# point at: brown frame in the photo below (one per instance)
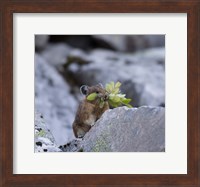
(8, 7)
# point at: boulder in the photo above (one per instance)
(44, 141)
(41, 41)
(125, 130)
(54, 101)
(56, 54)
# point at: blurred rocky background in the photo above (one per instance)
(65, 62)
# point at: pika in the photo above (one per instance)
(89, 111)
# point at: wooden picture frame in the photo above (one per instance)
(9, 7)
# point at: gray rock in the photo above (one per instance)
(131, 43)
(41, 41)
(72, 146)
(54, 101)
(152, 55)
(142, 74)
(56, 54)
(126, 130)
(44, 141)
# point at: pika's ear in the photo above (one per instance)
(101, 85)
(84, 89)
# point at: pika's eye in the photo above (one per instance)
(97, 92)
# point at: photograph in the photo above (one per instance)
(99, 93)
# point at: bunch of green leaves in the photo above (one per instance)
(115, 98)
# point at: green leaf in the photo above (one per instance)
(117, 85)
(111, 103)
(116, 99)
(115, 91)
(112, 84)
(91, 97)
(109, 88)
(101, 99)
(126, 101)
(101, 104)
(111, 96)
(129, 106)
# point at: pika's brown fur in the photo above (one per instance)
(89, 111)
